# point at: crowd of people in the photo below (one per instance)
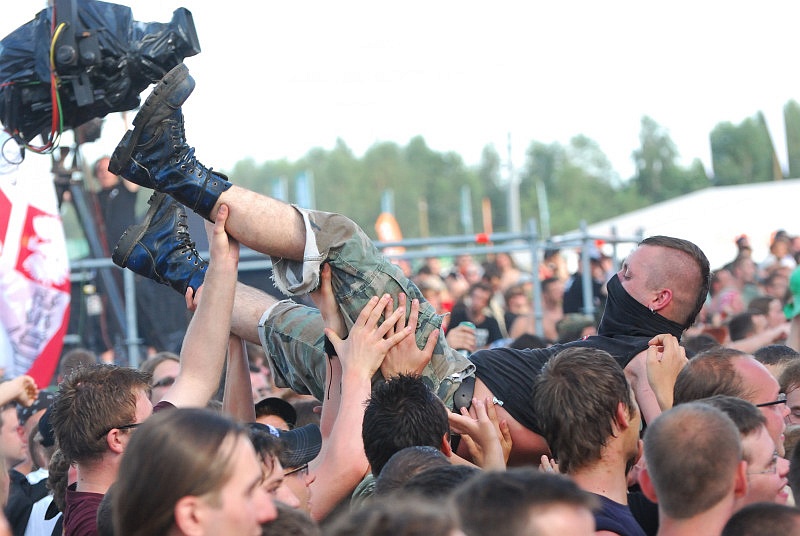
(410, 403)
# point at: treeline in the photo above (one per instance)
(577, 178)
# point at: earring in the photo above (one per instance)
(651, 309)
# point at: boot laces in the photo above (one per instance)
(187, 245)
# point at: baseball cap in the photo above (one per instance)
(301, 445)
(792, 309)
(43, 401)
(46, 430)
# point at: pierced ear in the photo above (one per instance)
(663, 298)
(188, 515)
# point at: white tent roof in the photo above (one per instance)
(712, 218)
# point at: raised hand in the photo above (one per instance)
(665, 359)
(406, 357)
(487, 438)
(369, 339)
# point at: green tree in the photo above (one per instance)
(791, 118)
(741, 153)
(578, 180)
(658, 175)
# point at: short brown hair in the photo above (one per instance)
(91, 401)
(575, 399)
(693, 452)
(710, 373)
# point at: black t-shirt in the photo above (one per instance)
(118, 209)
(489, 324)
(510, 373)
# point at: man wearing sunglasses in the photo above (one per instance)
(725, 371)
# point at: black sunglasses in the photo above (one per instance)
(123, 427)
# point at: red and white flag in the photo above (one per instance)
(34, 273)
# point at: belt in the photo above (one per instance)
(462, 398)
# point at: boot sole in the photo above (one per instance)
(172, 80)
(134, 233)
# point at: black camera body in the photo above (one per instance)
(81, 60)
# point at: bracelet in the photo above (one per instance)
(329, 349)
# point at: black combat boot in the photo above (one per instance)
(160, 248)
(155, 154)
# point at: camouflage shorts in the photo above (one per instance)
(292, 334)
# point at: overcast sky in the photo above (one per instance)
(276, 79)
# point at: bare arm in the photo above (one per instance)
(665, 359)
(206, 339)
(636, 372)
(325, 300)
(342, 463)
(21, 389)
(769, 336)
(237, 400)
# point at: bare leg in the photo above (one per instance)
(248, 306)
(264, 224)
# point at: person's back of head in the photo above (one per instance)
(576, 400)
(572, 326)
(400, 413)
(406, 463)
(290, 522)
(764, 518)
(393, 516)
(746, 416)
(74, 359)
(742, 326)
(698, 343)
(92, 401)
(710, 373)
(760, 305)
(693, 454)
(776, 354)
(777, 357)
(685, 271)
(522, 501)
(439, 482)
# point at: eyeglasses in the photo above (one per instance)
(781, 400)
(771, 469)
(302, 470)
(164, 382)
(123, 427)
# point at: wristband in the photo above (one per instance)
(329, 349)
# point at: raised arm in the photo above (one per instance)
(665, 359)
(206, 339)
(237, 398)
(342, 463)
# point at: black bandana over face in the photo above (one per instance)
(624, 315)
